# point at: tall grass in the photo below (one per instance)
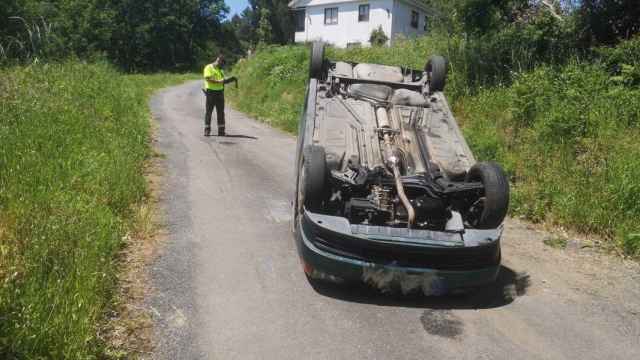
(568, 139)
(564, 128)
(272, 85)
(35, 43)
(73, 140)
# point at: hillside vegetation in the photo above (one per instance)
(74, 139)
(565, 129)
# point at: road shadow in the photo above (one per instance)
(237, 136)
(508, 286)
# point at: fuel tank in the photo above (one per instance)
(347, 128)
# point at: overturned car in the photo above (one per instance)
(388, 191)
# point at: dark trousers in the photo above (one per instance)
(215, 99)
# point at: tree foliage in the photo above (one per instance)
(378, 37)
(608, 21)
(265, 30)
(595, 22)
(137, 35)
(251, 22)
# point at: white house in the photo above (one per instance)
(350, 22)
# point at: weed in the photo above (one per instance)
(556, 242)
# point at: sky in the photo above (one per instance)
(236, 6)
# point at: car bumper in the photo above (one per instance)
(391, 259)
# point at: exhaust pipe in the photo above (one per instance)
(392, 161)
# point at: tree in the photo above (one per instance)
(608, 21)
(280, 19)
(378, 37)
(161, 34)
(243, 29)
(9, 8)
(137, 35)
(265, 31)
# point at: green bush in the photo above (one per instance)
(74, 138)
(623, 61)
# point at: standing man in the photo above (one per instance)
(214, 90)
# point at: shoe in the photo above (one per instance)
(221, 132)
(207, 131)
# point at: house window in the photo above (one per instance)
(425, 27)
(331, 16)
(414, 19)
(363, 13)
(300, 17)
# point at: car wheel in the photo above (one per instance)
(314, 174)
(489, 210)
(316, 61)
(436, 69)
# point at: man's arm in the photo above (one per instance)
(210, 76)
(212, 80)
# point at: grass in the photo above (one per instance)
(556, 242)
(566, 134)
(74, 139)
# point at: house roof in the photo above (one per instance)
(303, 3)
(295, 4)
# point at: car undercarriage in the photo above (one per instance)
(386, 151)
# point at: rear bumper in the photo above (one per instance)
(408, 260)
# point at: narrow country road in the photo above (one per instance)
(228, 283)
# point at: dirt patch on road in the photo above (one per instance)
(442, 323)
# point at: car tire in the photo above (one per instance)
(314, 172)
(491, 209)
(316, 60)
(436, 69)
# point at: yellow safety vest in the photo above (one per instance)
(217, 74)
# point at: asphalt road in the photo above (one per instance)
(229, 285)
